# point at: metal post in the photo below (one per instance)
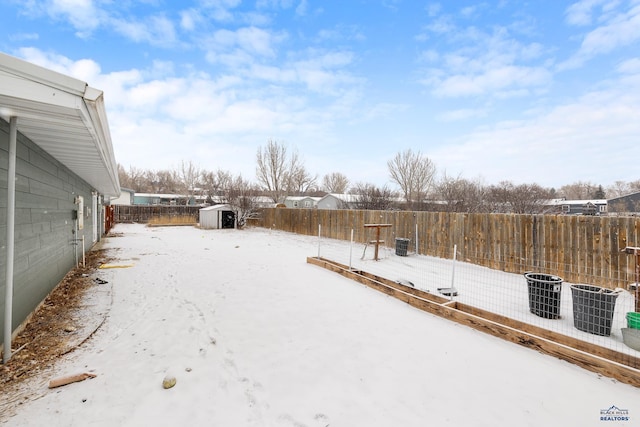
(637, 293)
(635, 251)
(319, 236)
(350, 249)
(453, 271)
(11, 224)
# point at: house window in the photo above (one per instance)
(566, 208)
(295, 204)
(602, 208)
(307, 204)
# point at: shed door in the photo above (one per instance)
(228, 219)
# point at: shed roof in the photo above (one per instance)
(216, 208)
(62, 115)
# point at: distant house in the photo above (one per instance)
(217, 217)
(577, 207)
(126, 197)
(338, 201)
(263, 202)
(168, 199)
(59, 172)
(303, 202)
(629, 203)
(151, 199)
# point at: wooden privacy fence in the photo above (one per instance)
(580, 249)
(144, 214)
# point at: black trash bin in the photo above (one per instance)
(401, 246)
(544, 294)
(593, 308)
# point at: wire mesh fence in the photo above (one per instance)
(513, 286)
(587, 312)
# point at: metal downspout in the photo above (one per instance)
(11, 225)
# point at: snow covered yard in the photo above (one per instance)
(257, 337)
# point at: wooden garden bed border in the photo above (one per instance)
(602, 360)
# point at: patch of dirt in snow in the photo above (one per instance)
(58, 326)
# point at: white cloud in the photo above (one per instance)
(441, 25)
(589, 139)
(82, 14)
(581, 12)
(340, 33)
(616, 31)
(234, 47)
(621, 31)
(19, 37)
(159, 116)
(430, 55)
(383, 110)
(189, 19)
(492, 81)
(85, 69)
(257, 41)
(155, 30)
(303, 8)
(493, 64)
(469, 11)
(433, 9)
(461, 114)
(87, 17)
(220, 10)
(630, 66)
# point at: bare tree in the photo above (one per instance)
(499, 197)
(152, 183)
(335, 182)
(530, 199)
(132, 179)
(414, 173)
(168, 181)
(300, 180)
(242, 197)
(578, 191)
(215, 184)
(368, 196)
(524, 198)
(272, 169)
(634, 186)
(618, 188)
(162, 181)
(189, 179)
(461, 195)
(280, 171)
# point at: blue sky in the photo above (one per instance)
(543, 92)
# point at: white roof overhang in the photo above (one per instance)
(63, 116)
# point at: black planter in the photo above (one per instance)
(593, 308)
(544, 294)
(401, 246)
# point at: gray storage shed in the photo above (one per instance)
(217, 216)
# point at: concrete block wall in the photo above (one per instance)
(45, 230)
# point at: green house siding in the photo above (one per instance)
(45, 238)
